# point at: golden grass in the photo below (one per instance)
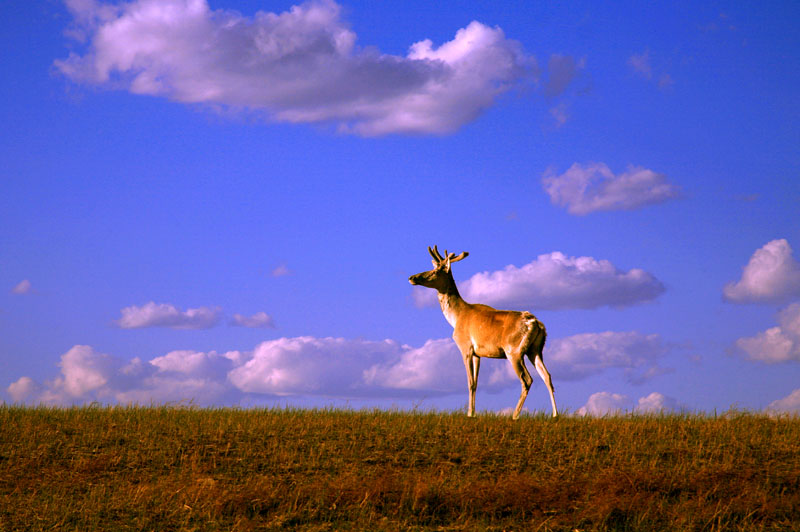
(132, 468)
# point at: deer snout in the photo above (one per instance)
(413, 279)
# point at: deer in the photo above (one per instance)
(481, 331)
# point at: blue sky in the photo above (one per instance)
(221, 202)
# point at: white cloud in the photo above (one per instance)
(260, 320)
(787, 405)
(280, 271)
(423, 297)
(163, 389)
(555, 281)
(436, 366)
(776, 344)
(22, 288)
(84, 370)
(561, 69)
(641, 64)
(308, 366)
(301, 65)
(196, 363)
(560, 114)
(85, 374)
(165, 315)
(23, 389)
(179, 376)
(665, 81)
(657, 403)
(316, 366)
(607, 403)
(582, 355)
(771, 275)
(593, 187)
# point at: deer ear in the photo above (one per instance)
(435, 264)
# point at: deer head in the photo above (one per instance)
(439, 277)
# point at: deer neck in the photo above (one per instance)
(451, 302)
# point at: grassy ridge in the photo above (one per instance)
(203, 469)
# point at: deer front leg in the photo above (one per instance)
(476, 367)
(472, 364)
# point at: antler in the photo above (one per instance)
(455, 258)
(435, 254)
(451, 257)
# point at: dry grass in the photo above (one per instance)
(110, 468)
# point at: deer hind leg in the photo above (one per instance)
(525, 378)
(545, 375)
(534, 352)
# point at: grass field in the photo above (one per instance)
(112, 468)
